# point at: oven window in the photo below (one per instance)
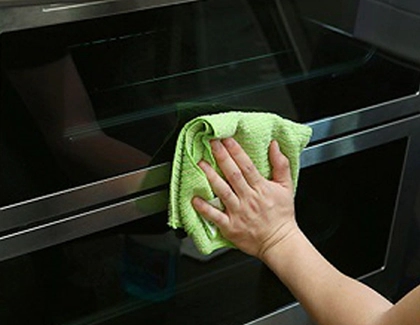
(352, 230)
(85, 101)
(143, 273)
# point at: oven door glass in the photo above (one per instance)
(142, 273)
(82, 102)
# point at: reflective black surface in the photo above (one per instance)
(346, 206)
(142, 274)
(84, 101)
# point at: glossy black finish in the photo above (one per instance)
(137, 68)
(84, 238)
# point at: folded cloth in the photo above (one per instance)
(253, 131)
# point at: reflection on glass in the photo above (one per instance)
(88, 100)
(84, 101)
(141, 273)
(358, 224)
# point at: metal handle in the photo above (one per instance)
(62, 230)
(43, 208)
(75, 4)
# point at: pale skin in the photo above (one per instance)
(259, 219)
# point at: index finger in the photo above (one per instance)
(244, 162)
(229, 168)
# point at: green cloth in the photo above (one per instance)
(253, 131)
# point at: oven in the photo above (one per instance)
(92, 98)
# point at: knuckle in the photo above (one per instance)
(218, 220)
(226, 194)
(256, 180)
(236, 176)
(252, 174)
(284, 162)
(250, 168)
(265, 190)
(234, 233)
(254, 204)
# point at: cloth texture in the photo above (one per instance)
(253, 131)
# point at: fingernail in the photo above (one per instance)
(229, 142)
(216, 145)
(203, 164)
(196, 201)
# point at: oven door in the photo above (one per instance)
(91, 106)
(138, 273)
(90, 110)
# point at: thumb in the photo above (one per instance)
(280, 164)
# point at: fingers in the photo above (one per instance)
(211, 213)
(243, 162)
(219, 186)
(241, 174)
(280, 166)
(230, 168)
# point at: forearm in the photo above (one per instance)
(327, 295)
(259, 219)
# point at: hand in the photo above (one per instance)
(259, 213)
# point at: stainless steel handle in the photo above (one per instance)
(60, 231)
(75, 4)
(359, 141)
(46, 207)
(365, 117)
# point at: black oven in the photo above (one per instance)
(92, 97)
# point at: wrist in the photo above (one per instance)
(279, 241)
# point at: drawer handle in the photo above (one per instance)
(69, 6)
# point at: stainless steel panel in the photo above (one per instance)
(41, 14)
(42, 208)
(18, 3)
(363, 118)
(59, 231)
(339, 147)
(96, 220)
(56, 232)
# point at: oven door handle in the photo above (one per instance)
(79, 225)
(45, 208)
(75, 4)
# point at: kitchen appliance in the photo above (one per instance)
(91, 103)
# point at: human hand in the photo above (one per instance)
(259, 213)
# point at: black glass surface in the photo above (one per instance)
(140, 273)
(346, 206)
(84, 101)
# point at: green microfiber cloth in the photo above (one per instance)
(253, 131)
